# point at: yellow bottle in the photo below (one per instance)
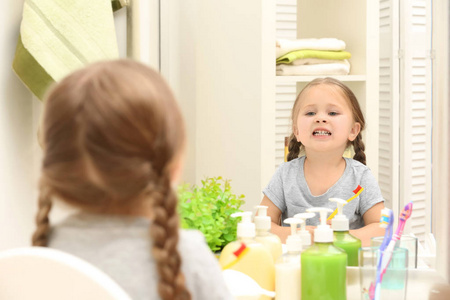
(248, 256)
(263, 235)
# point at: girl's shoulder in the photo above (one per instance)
(293, 164)
(353, 163)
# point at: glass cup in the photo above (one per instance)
(406, 241)
(394, 281)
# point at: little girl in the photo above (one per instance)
(113, 146)
(326, 119)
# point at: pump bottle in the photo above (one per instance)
(263, 235)
(323, 268)
(287, 267)
(342, 237)
(249, 256)
(303, 233)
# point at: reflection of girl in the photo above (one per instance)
(326, 118)
(113, 146)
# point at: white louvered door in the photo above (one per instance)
(286, 28)
(406, 109)
(416, 112)
(388, 176)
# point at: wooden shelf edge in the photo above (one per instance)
(293, 79)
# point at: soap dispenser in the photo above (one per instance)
(323, 268)
(287, 267)
(269, 240)
(248, 256)
(304, 233)
(342, 237)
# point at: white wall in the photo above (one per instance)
(17, 188)
(441, 131)
(213, 62)
(20, 154)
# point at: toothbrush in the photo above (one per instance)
(386, 221)
(387, 255)
(356, 192)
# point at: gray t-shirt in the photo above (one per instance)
(289, 191)
(120, 246)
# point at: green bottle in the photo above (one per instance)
(342, 237)
(323, 264)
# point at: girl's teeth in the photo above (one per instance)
(321, 132)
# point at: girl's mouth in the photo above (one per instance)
(321, 132)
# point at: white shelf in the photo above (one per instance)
(344, 78)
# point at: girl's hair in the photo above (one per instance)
(112, 133)
(358, 144)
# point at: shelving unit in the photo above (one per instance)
(294, 79)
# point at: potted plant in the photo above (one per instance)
(208, 208)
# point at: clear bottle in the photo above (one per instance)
(263, 224)
(287, 267)
(342, 237)
(323, 264)
(248, 256)
(303, 233)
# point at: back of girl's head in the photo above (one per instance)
(358, 145)
(111, 135)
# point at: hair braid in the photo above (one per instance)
(359, 148)
(40, 236)
(164, 233)
(294, 148)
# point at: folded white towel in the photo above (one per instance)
(316, 61)
(284, 46)
(337, 68)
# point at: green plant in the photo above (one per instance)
(208, 208)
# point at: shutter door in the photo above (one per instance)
(416, 87)
(389, 103)
(286, 28)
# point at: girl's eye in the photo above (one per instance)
(333, 113)
(310, 113)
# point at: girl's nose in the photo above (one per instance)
(321, 120)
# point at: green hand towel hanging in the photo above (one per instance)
(60, 36)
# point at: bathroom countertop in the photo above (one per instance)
(422, 284)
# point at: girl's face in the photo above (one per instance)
(325, 121)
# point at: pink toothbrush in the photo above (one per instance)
(387, 255)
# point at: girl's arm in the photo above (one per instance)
(372, 225)
(275, 214)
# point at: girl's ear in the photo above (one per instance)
(295, 130)
(356, 128)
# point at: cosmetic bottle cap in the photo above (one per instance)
(245, 228)
(294, 241)
(303, 233)
(262, 221)
(340, 221)
(323, 233)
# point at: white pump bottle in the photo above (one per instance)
(263, 224)
(287, 267)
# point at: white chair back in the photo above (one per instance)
(44, 273)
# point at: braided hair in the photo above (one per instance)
(112, 133)
(358, 144)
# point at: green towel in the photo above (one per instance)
(297, 54)
(60, 36)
